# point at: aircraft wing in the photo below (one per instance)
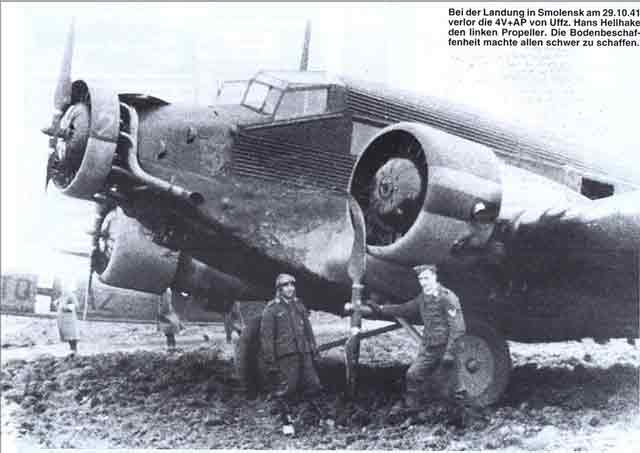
(571, 269)
(606, 224)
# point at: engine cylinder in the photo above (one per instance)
(421, 190)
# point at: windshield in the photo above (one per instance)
(262, 97)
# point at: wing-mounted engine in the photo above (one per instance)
(128, 257)
(85, 141)
(422, 189)
(94, 140)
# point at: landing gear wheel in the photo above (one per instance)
(483, 363)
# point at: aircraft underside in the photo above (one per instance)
(549, 293)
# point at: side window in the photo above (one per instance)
(295, 104)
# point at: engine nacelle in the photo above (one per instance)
(422, 190)
(129, 258)
(86, 149)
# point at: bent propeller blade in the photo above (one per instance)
(51, 163)
(358, 261)
(62, 96)
(356, 270)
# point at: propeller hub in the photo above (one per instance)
(396, 187)
(70, 142)
(385, 189)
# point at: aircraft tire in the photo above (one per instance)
(483, 363)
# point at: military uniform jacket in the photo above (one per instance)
(440, 313)
(286, 330)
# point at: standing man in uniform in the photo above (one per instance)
(288, 343)
(168, 320)
(68, 320)
(439, 309)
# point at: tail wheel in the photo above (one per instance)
(483, 363)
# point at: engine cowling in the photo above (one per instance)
(85, 150)
(423, 190)
(129, 258)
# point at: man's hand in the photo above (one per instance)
(367, 308)
(375, 308)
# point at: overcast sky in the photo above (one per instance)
(181, 51)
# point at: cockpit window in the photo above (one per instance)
(286, 97)
(302, 103)
(261, 97)
(256, 95)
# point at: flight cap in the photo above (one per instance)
(425, 269)
(283, 279)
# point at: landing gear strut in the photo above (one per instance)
(482, 366)
(482, 362)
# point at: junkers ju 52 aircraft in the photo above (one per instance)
(342, 183)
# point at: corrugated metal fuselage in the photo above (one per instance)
(275, 201)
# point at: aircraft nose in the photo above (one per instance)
(198, 140)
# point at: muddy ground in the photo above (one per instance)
(125, 391)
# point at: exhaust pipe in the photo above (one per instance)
(161, 185)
